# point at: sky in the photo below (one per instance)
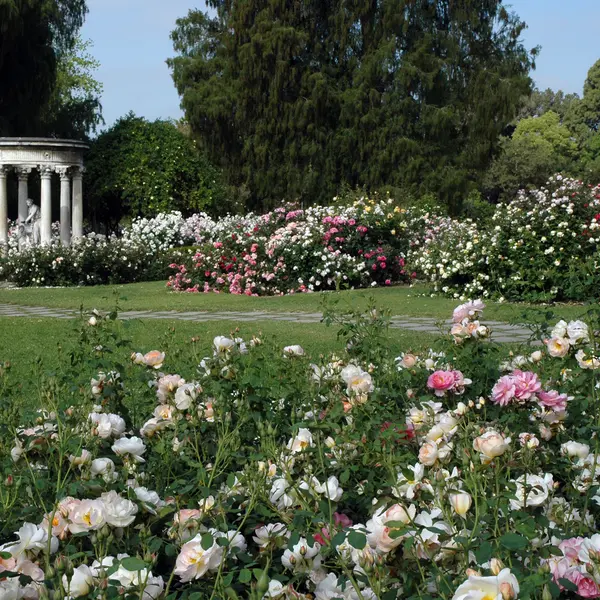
(131, 42)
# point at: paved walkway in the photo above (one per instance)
(501, 332)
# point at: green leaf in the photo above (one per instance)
(245, 576)
(132, 563)
(207, 541)
(513, 541)
(483, 552)
(569, 585)
(357, 539)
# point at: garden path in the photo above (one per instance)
(501, 332)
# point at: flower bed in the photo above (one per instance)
(287, 251)
(542, 246)
(465, 472)
(143, 252)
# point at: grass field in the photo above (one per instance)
(409, 301)
(34, 346)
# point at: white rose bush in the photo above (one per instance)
(542, 246)
(463, 472)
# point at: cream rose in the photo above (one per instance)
(490, 445)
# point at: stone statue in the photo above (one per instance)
(29, 230)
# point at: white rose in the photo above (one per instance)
(186, 394)
(461, 502)
(490, 445)
(560, 330)
(133, 446)
(302, 441)
(104, 467)
(331, 489)
(119, 511)
(575, 449)
(428, 454)
(81, 582)
(357, 380)
(83, 459)
(558, 347)
(194, 561)
(293, 351)
(535, 487)
(148, 497)
(302, 558)
(578, 331)
(223, 344)
(88, 515)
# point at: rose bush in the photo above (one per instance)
(542, 246)
(464, 472)
(290, 250)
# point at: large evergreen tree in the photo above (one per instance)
(33, 35)
(294, 98)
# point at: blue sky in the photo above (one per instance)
(131, 41)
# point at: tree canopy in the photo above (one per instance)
(140, 168)
(294, 99)
(74, 109)
(33, 36)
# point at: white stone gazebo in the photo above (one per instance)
(47, 156)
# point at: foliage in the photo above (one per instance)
(33, 36)
(540, 102)
(541, 246)
(296, 99)
(462, 471)
(74, 110)
(539, 147)
(142, 168)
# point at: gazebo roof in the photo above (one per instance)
(43, 143)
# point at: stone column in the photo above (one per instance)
(65, 205)
(78, 202)
(23, 174)
(3, 209)
(46, 205)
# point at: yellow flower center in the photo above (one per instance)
(87, 517)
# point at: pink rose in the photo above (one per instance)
(504, 390)
(553, 400)
(342, 520)
(571, 547)
(527, 384)
(467, 310)
(441, 382)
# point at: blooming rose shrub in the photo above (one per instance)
(143, 253)
(287, 250)
(468, 472)
(544, 245)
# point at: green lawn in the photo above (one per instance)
(411, 301)
(39, 344)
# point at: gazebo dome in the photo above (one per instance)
(47, 156)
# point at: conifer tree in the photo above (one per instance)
(294, 98)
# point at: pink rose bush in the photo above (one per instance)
(264, 471)
(301, 250)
